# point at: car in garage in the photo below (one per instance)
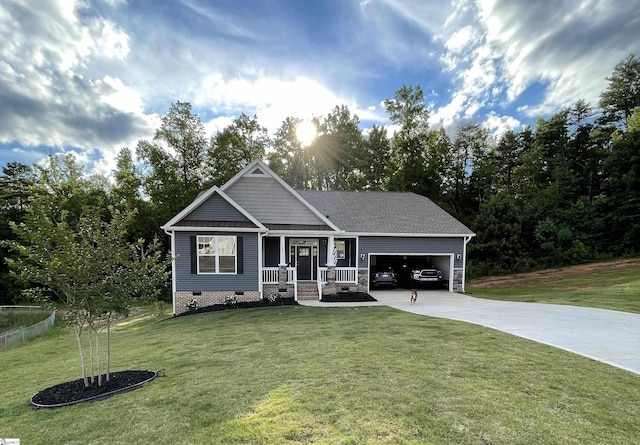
(384, 276)
(426, 275)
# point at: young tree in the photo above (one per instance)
(91, 268)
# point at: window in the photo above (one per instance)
(340, 249)
(217, 254)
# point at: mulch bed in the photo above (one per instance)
(70, 393)
(347, 297)
(241, 305)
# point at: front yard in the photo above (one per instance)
(289, 375)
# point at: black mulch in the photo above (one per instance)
(241, 305)
(347, 297)
(74, 391)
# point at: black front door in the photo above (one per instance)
(303, 262)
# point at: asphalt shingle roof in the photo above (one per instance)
(384, 212)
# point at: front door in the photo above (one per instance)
(304, 262)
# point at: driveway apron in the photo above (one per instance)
(610, 337)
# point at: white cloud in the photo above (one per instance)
(273, 99)
(498, 125)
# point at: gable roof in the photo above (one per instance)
(258, 169)
(385, 213)
(179, 219)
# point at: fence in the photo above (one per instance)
(10, 339)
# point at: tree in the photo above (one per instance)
(289, 159)
(409, 113)
(337, 152)
(623, 92)
(471, 142)
(174, 161)
(16, 181)
(619, 203)
(232, 149)
(91, 268)
(377, 152)
(498, 246)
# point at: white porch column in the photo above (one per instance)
(283, 252)
(330, 245)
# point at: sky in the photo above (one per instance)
(92, 76)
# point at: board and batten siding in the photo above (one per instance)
(413, 245)
(269, 202)
(216, 208)
(186, 281)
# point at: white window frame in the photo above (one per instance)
(216, 254)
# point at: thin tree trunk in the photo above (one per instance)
(91, 365)
(108, 347)
(82, 364)
(98, 357)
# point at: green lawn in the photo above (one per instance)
(295, 375)
(608, 286)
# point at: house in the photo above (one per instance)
(256, 235)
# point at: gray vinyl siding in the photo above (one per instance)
(216, 208)
(267, 201)
(392, 245)
(186, 281)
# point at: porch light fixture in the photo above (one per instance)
(362, 256)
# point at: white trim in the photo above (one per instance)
(450, 255)
(212, 229)
(464, 262)
(266, 169)
(217, 255)
(201, 199)
(410, 235)
(174, 281)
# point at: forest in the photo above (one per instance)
(565, 191)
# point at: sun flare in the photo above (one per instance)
(306, 132)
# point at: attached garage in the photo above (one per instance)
(403, 263)
(402, 252)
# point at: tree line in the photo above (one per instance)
(563, 191)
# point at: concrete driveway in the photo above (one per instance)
(610, 337)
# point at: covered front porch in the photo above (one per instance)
(307, 267)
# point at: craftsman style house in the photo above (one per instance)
(256, 235)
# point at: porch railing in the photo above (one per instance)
(270, 275)
(322, 272)
(346, 275)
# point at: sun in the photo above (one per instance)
(306, 132)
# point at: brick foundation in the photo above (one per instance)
(209, 298)
(268, 289)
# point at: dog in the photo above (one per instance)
(414, 296)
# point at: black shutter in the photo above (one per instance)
(240, 254)
(194, 256)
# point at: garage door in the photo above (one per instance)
(402, 264)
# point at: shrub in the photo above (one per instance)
(192, 305)
(274, 297)
(230, 300)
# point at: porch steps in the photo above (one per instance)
(307, 292)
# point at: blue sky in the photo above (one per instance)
(92, 76)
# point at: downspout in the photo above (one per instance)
(173, 270)
(464, 261)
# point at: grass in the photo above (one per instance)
(10, 321)
(291, 375)
(609, 286)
